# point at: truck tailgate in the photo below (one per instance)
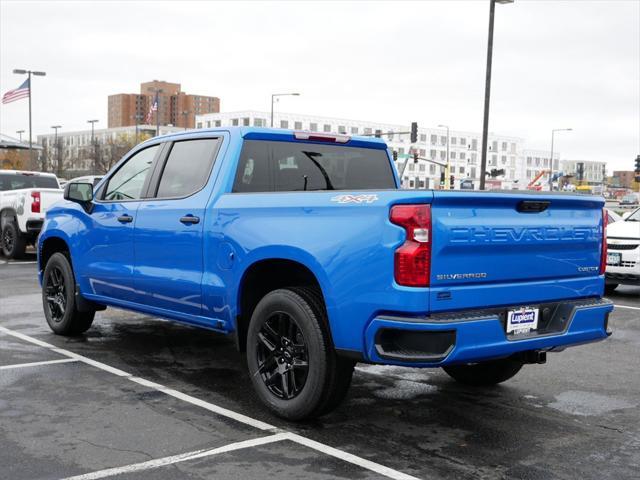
(48, 196)
(488, 246)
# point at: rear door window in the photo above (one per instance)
(295, 166)
(187, 167)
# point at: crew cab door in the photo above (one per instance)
(169, 228)
(106, 255)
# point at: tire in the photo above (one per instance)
(59, 301)
(13, 242)
(609, 288)
(484, 373)
(290, 357)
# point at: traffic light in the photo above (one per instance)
(395, 155)
(441, 178)
(580, 171)
(378, 133)
(637, 170)
(452, 181)
(414, 132)
(415, 157)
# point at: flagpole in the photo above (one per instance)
(20, 71)
(30, 144)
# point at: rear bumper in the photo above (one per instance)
(34, 227)
(624, 278)
(473, 336)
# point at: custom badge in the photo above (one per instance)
(364, 198)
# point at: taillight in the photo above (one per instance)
(35, 202)
(412, 262)
(603, 252)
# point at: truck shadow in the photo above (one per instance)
(414, 420)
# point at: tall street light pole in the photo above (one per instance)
(553, 133)
(29, 73)
(185, 114)
(55, 146)
(274, 95)
(487, 91)
(20, 132)
(94, 146)
(447, 177)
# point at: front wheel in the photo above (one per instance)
(291, 360)
(487, 373)
(58, 298)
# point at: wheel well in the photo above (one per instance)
(49, 247)
(7, 214)
(263, 277)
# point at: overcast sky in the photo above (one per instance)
(556, 64)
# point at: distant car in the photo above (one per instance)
(623, 252)
(62, 182)
(630, 199)
(612, 216)
(25, 197)
(92, 179)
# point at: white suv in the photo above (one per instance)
(623, 252)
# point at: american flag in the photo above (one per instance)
(21, 92)
(153, 108)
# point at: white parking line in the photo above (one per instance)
(13, 262)
(183, 457)
(347, 457)
(37, 364)
(326, 449)
(626, 306)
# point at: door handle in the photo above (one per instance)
(125, 218)
(187, 219)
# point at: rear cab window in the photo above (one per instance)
(272, 166)
(26, 180)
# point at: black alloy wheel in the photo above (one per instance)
(56, 294)
(8, 239)
(283, 360)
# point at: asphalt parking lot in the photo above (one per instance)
(142, 398)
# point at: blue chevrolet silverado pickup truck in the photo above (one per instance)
(303, 246)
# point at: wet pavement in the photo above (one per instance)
(169, 411)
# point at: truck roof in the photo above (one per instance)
(26, 172)
(279, 134)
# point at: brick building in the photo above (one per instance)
(622, 178)
(175, 107)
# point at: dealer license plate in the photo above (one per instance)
(522, 320)
(614, 258)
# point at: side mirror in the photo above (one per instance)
(78, 192)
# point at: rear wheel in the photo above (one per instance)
(484, 373)
(292, 363)
(610, 287)
(13, 242)
(58, 298)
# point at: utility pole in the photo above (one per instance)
(487, 91)
(29, 73)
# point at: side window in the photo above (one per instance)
(127, 182)
(252, 174)
(187, 168)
